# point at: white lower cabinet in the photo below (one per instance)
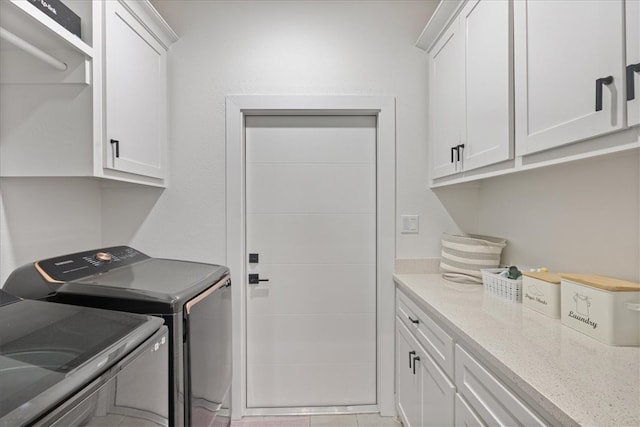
(425, 395)
(494, 403)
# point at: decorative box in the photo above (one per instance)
(604, 308)
(541, 292)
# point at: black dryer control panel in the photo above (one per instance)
(83, 264)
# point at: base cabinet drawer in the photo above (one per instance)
(432, 337)
(465, 416)
(425, 395)
(489, 398)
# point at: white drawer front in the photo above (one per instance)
(496, 405)
(433, 338)
(465, 416)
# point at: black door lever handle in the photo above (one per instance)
(255, 279)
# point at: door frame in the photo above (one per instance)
(383, 108)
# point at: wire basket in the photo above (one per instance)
(501, 286)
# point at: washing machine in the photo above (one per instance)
(193, 299)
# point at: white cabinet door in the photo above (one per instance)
(486, 26)
(407, 382)
(633, 61)
(425, 394)
(562, 50)
(135, 95)
(438, 394)
(446, 98)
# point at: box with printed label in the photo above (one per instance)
(60, 13)
(604, 308)
(541, 292)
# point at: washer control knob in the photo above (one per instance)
(103, 257)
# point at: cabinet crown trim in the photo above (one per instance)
(444, 13)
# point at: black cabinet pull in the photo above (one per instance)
(599, 83)
(452, 150)
(631, 91)
(414, 363)
(115, 141)
(416, 321)
(411, 353)
(458, 148)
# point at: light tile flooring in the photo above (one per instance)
(359, 420)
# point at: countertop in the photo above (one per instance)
(568, 376)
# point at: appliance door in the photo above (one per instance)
(208, 359)
(132, 392)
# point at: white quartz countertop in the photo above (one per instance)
(569, 376)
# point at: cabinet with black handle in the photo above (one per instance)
(570, 81)
(470, 86)
(425, 394)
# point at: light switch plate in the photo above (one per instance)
(410, 224)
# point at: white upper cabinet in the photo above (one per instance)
(470, 88)
(569, 72)
(135, 95)
(633, 62)
(60, 121)
(446, 99)
(488, 83)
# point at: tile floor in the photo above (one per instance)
(359, 420)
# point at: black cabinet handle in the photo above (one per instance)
(255, 279)
(115, 141)
(414, 364)
(599, 83)
(458, 148)
(452, 150)
(631, 91)
(416, 321)
(411, 353)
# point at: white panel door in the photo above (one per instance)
(408, 384)
(562, 49)
(135, 94)
(446, 101)
(486, 25)
(633, 60)
(311, 218)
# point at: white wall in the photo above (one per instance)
(278, 47)
(581, 217)
(45, 217)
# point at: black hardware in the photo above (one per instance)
(631, 91)
(411, 353)
(414, 364)
(115, 141)
(253, 258)
(416, 321)
(255, 279)
(452, 150)
(458, 150)
(599, 82)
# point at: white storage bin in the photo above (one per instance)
(541, 292)
(494, 283)
(604, 308)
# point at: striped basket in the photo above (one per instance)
(462, 257)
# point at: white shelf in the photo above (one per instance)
(28, 22)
